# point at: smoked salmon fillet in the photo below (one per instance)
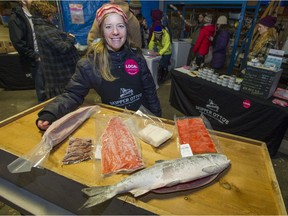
(119, 151)
(193, 131)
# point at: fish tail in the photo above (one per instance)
(98, 195)
(92, 191)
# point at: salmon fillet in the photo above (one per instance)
(119, 152)
(193, 131)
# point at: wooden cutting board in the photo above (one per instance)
(249, 187)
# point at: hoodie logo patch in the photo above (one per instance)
(131, 67)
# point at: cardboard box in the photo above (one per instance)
(9, 46)
(260, 82)
(2, 47)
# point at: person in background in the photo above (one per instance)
(220, 42)
(204, 40)
(161, 44)
(143, 29)
(133, 23)
(194, 35)
(157, 16)
(267, 39)
(22, 36)
(113, 67)
(56, 48)
(135, 6)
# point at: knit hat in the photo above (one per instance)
(157, 29)
(156, 14)
(222, 20)
(268, 21)
(107, 9)
(135, 4)
(208, 18)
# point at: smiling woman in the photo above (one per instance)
(115, 32)
(113, 67)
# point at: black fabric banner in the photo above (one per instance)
(13, 74)
(230, 111)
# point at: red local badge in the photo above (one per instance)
(246, 103)
(131, 67)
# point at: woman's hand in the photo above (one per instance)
(43, 125)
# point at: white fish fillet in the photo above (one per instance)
(163, 174)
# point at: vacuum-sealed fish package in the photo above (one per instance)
(78, 150)
(192, 131)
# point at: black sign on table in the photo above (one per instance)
(260, 82)
(229, 110)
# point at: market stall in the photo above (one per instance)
(239, 191)
(229, 110)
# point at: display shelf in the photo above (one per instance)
(243, 7)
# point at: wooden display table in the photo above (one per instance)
(249, 187)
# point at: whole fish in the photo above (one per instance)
(162, 174)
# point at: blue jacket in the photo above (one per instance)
(128, 90)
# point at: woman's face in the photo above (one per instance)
(262, 28)
(200, 18)
(115, 31)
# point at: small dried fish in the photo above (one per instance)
(78, 150)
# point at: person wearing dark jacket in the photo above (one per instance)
(220, 43)
(117, 71)
(56, 48)
(204, 40)
(22, 36)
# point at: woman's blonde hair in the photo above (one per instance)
(101, 57)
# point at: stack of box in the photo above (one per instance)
(6, 47)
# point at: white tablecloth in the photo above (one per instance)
(180, 51)
(153, 63)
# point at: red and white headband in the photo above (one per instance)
(107, 9)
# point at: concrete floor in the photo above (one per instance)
(13, 102)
